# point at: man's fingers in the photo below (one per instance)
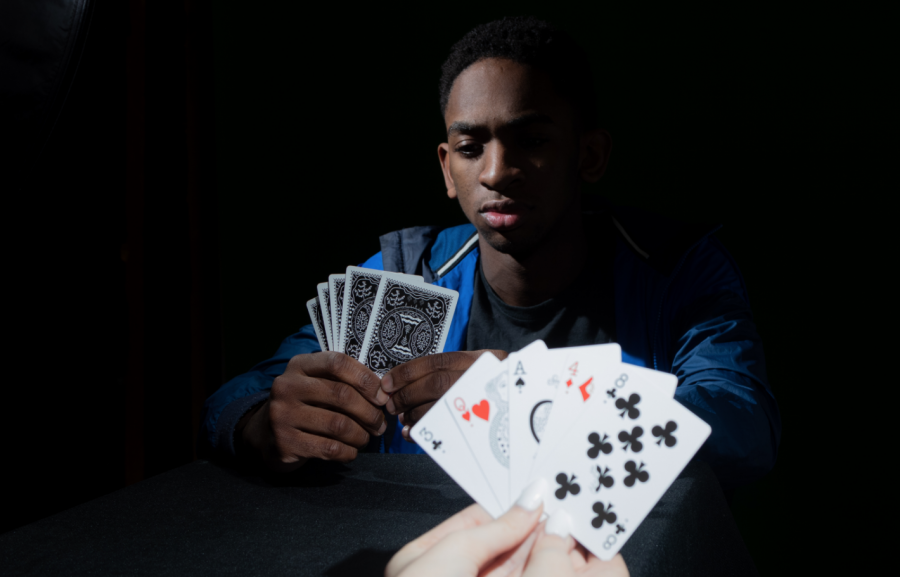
(340, 367)
(295, 445)
(412, 371)
(328, 424)
(341, 398)
(429, 388)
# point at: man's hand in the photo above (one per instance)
(415, 386)
(324, 406)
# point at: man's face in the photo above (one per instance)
(512, 155)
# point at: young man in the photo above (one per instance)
(539, 260)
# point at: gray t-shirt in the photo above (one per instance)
(582, 314)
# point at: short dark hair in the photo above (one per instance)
(533, 42)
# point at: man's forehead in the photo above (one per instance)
(494, 92)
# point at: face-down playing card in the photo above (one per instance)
(315, 315)
(336, 292)
(360, 289)
(408, 320)
(617, 459)
(325, 311)
(478, 402)
(442, 440)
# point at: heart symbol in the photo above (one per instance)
(467, 416)
(482, 410)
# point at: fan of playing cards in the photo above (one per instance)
(607, 437)
(382, 319)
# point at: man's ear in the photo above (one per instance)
(595, 146)
(444, 157)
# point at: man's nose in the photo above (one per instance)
(499, 171)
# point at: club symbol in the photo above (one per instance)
(436, 444)
(666, 434)
(632, 439)
(629, 406)
(566, 486)
(637, 473)
(598, 445)
(619, 529)
(604, 515)
(611, 393)
(520, 383)
(603, 478)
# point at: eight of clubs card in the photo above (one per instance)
(617, 459)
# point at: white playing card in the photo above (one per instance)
(312, 305)
(409, 320)
(325, 311)
(666, 382)
(478, 402)
(531, 393)
(336, 290)
(583, 372)
(442, 440)
(360, 288)
(617, 459)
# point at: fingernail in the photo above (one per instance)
(381, 397)
(558, 524)
(390, 406)
(382, 428)
(387, 382)
(405, 432)
(533, 495)
(400, 418)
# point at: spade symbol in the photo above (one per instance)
(603, 478)
(566, 485)
(520, 383)
(632, 439)
(637, 473)
(598, 445)
(629, 406)
(604, 515)
(665, 434)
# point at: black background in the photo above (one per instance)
(317, 131)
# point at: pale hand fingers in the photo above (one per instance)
(471, 516)
(597, 568)
(550, 556)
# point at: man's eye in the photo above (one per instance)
(469, 150)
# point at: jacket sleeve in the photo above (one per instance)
(223, 410)
(716, 353)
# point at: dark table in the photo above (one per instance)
(326, 519)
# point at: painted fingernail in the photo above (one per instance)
(533, 495)
(558, 524)
(381, 397)
(390, 406)
(387, 382)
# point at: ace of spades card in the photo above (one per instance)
(408, 320)
(478, 402)
(531, 393)
(617, 459)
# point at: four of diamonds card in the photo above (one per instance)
(382, 319)
(607, 437)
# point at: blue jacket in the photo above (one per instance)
(681, 307)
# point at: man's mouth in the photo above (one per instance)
(503, 214)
